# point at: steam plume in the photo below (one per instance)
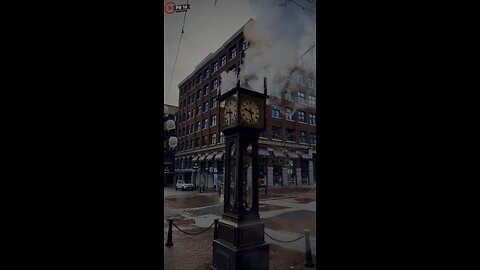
(277, 38)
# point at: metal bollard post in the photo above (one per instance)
(215, 229)
(169, 235)
(308, 254)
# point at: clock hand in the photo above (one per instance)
(251, 113)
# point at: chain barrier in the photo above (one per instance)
(192, 233)
(291, 241)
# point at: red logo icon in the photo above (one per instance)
(171, 8)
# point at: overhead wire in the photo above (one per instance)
(304, 8)
(178, 49)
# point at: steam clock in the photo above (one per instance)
(240, 242)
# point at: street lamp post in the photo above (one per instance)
(169, 125)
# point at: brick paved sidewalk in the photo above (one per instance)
(195, 252)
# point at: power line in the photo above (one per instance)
(178, 49)
(304, 8)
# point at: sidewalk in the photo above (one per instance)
(195, 252)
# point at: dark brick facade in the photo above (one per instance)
(186, 150)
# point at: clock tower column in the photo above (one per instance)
(240, 242)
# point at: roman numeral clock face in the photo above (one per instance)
(250, 112)
(230, 112)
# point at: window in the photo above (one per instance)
(193, 113)
(222, 137)
(289, 114)
(312, 119)
(188, 130)
(189, 115)
(188, 99)
(224, 60)
(199, 109)
(301, 97)
(215, 84)
(205, 90)
(300, 79)
(275, 111)
(311, 83)
(303, 136)
(233, 52)
(199, 78)
(313, 138)
(197, 142)
(205, 140)
(276, 133)
(312, 100)
(263, 134)
(244, 45)
(213, 120)
(205, 123)
(215, 66)
(191, 128)
(205, 106)
(199, 94)
(205, 73)
(213, 138)
(198, 126)
(290, 134)
(288, 94)
(214, 102)
(301, 116)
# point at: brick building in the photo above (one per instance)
(287, 147)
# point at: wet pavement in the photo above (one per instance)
(295, 221)
(192, 201)
(195, 252)
(286, 213)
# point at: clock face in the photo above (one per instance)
(250, 112)
(230, 112)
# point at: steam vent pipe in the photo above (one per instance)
(265, 85)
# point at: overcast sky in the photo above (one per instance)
(207, 27)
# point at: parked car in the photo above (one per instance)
(184, 186)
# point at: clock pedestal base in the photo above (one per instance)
(228, 257)
(240, 244)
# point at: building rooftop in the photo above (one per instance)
(211, 55)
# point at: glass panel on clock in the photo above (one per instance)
(247, 179)
(232, 176)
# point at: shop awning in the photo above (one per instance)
(195, 158)
(202, 157)
(263, 152)
(210, 156)
(306, 156)
(292, 155)
(278, 153)
(219, 156)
